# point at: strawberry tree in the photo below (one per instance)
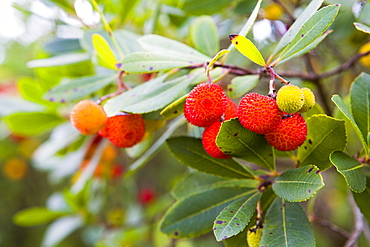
(257, 145)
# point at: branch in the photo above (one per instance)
(358, 223)
(329, 225)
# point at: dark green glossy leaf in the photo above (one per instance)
(286, 224)
(325, 135)
(197, 182)
(360, 103)
(298, 184)
(235, 140)
(189, 151)
(338, 101)
(351, 169)
(362, 200)
(194, 215)
(235, 217)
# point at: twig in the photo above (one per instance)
(329, 225)
(358, 224)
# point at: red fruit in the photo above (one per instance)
(209, 141)
(146, 196)
(231, 110)
(205, 104)
(124, 130)
(290, 133)
(88, 117)
(259, 113)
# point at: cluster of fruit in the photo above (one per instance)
(123, 130)
(279, 119)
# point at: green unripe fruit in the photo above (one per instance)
(309, 100)
(290, 98)
(254, 236)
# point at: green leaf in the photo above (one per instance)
(32, 123)
(148, 97)
(127, 41)
(239, 240)
(286, 224)
(310, 31)
(360, 102)
(194, 215)
(197, 182)
(247, 48)
(308, 48)
(148, 62)
(204, 36)
(31, 90)
(71, 89)
(204, 7)
(351, 169)
(175, 109)
(171, 48)
(362, 27)
(296, 26)
(248, 25)
(189, 151)
(325, 135)
(363, 199)
(104, 53)
(59, 60)
(235, 216)
(300, 184)
(338, 101)
(240, 85)
(36, 216)
(236, 141)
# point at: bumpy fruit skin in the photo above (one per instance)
(259, 113)
(290, 133)
(290, 98)
(254, 237)
(205, 104)
(366, 59)
(88, 117)
(209, 141)
(124, 130)
(309, 100)
(231, 109)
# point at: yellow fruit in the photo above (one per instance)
(273, 11)
(15, 168)
(366, 59)
(88, 117)
(254, 237)
(309, 100)
(290, 98)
